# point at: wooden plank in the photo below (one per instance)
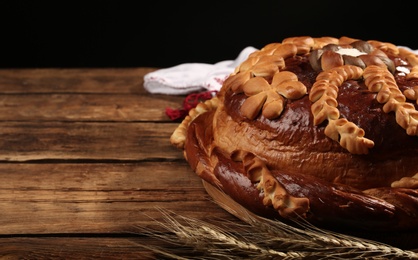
(99, 198)
(86, 107)
(136, 176)
(73, 80)
(54, 217)
(77, 248)
(20, 141)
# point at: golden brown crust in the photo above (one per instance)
(305, 121)
(178, 137)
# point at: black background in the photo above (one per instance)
(36, 34)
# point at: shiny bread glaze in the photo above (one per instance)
(287, 164)
(393, 148)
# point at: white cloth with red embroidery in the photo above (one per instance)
(193, 77)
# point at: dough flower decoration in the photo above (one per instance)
(261, 79)
(269, 98)
(254, 66)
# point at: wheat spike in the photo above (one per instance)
(260, 238)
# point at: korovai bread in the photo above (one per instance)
(321, 128)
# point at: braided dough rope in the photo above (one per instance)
(413, 74)
(274, 193)
(324, 94)
(409, 56)
(380, 80)
(412, 93)
(387, 47)
(178, 137)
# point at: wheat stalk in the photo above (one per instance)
(259, 238)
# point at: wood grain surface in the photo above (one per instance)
(86, 163)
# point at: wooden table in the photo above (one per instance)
(86, 163)
(86, 166)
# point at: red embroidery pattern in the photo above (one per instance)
(189, 102)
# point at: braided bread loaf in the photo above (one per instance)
(323, 128)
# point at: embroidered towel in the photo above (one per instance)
(193, 77)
